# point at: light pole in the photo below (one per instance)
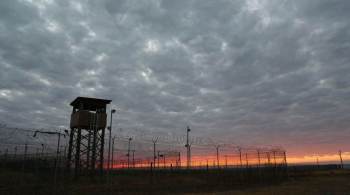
(154, 151)
(341, 159)
(161, 156)
(188, 146)
(258, 158)
(217, 155)
(109, 139)
(158, 155)
(246, 160)
(133, 158)
(285, 158)
(268, 158)
(129, 152)
(113, 140)
(109, 147)
(240, 156)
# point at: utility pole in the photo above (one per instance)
(341, 159)
(188, 146)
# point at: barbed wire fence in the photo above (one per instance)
(138, 150)
(162, 154)
(152, 160)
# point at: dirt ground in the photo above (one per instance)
(336, 182)
(322, 183)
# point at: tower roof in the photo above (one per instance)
(87, 103)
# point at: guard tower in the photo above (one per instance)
(86, 138)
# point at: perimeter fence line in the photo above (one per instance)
(143, 152)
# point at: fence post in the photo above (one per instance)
(341, 160)
(5, 157)
(15, 155)
(152, 165)
(240, 157)
(207, 165)
(246, 159)
(25, 156)
(258, 158)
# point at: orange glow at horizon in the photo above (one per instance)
(312, 159)
(246, 159)
(211, 161)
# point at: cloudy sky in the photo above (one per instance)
(254, 72)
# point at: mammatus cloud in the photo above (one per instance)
(247, 71)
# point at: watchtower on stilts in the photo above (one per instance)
(87, 133)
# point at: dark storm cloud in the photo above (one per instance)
(253, 72)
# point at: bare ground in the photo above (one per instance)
(318, 183)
